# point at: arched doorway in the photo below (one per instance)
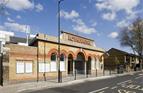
(88, 66)
(80, 63)
(70, 64)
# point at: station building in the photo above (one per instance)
(38, 60)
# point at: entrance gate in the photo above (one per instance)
(80, 63)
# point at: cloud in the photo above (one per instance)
(109, 16)
(10, 20)
(82, 27)
(18, 17)
(94, 24)
(2, 27)
(15, 27)
(69, 15)
(79, 25)
(19, 5)
(39, 8)
(122, 24)
(115, 6)
(113, 35)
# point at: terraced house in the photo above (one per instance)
(38, 60)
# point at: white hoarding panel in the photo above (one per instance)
(47, 67)
(41, 67)
(62, 66)
(19, 67)
(28, 67)
(53, 66)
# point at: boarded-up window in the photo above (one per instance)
(53, 65)
(20, 67)
(28, 67)
(23, 66)
(44, 67)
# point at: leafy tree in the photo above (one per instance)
(132, 36)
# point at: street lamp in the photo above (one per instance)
(59, 72)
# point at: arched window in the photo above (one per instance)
(62, 58)
(53, 64)
(62, 62)
(53, 57)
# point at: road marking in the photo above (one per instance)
(114, 87)
(138, 77)
(98, 90)
(123, 82)
(125, 91)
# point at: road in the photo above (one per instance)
(132, 83)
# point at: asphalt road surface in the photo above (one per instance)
(124, 84)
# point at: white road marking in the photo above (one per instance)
(123, 82)
(114, 87)
(102, 92)
(138, 77)
(98, 90)
(125, 91)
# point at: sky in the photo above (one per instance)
(100, 20)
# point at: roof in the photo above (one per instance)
(123, 52)
(77, 35)
(119, 50)
(17, 40)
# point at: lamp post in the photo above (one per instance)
(1, 64)
(59, 21)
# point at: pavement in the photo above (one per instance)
(103, 84)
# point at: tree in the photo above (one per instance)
(132, 36)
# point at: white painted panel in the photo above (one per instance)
(93, 64)
(41, 67)
(19, 67)
(97, 65)
(28, 67)
(53, 66)
(62, 66)
(47, 67)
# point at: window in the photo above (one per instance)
(41, 67)
(20, 67)
(62, 58)
(53, 64)
(23, 67)
(28, 67)
(53, 57)
(44, 67)
(62, 62)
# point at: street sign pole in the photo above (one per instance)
(1, 64)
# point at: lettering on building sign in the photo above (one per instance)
(79, 40)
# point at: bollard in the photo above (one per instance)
(110, 71)
(96, 72)
(61, 77)
(103, 72)
(86, 74)
(75, 74)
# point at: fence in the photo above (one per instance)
(82, 74)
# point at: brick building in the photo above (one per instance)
(38, 60)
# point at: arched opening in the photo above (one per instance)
(70, 64)
(62, 62)
(88, 66)
(80, 63)
(53, 62)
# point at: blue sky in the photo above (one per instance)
(100, 20)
